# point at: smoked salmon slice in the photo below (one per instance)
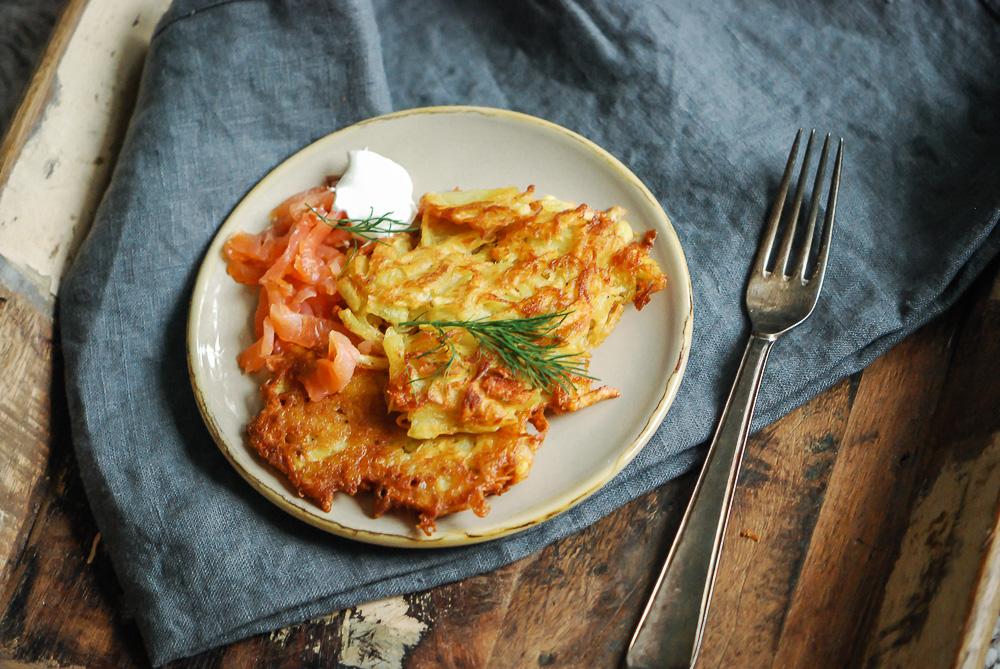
(296, 262)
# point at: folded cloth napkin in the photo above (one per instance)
(700, 99)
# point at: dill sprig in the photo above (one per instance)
(524, 345)
(368, 228)
(443, 341)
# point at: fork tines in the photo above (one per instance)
(765, 254)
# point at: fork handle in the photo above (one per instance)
(670, 631)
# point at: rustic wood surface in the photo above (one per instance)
(864, 533)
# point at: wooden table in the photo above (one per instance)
(864, 532)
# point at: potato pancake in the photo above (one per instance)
(421, 394)
(493, 254)
(349, 442)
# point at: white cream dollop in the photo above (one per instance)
(373, 185)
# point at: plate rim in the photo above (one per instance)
(578, 493)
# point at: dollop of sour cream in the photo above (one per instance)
(373, 185)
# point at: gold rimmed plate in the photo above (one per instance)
(443, 148)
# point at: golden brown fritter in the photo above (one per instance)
(349, 442)
(432, 422)
(493, 254)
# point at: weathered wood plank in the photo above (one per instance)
(79, 99)
(786, 471)
(943, 595)
(66, 134)
(577, 601)
(32, 148)
(39, 91)
(313, 644)
(864, 508)
(471, 610)
(56, 606)
(26, 361)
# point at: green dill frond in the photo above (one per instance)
(524, 345)
(369, 228)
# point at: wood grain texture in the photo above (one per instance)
(25, 383)
(852, 544)
(54, 605)
(575, 603)
(943, 594)
(785, 474)
(477, 604)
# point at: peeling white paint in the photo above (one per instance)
(279, 636)
(328, 618)
(48, 202)
(377, 635)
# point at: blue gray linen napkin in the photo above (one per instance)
(700, 99)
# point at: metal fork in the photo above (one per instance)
(780, 295)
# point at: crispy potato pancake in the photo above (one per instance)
(493, 254)
(432, 420)
(349, 442)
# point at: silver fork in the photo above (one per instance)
(779, 297)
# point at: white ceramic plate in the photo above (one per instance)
(467, 147)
